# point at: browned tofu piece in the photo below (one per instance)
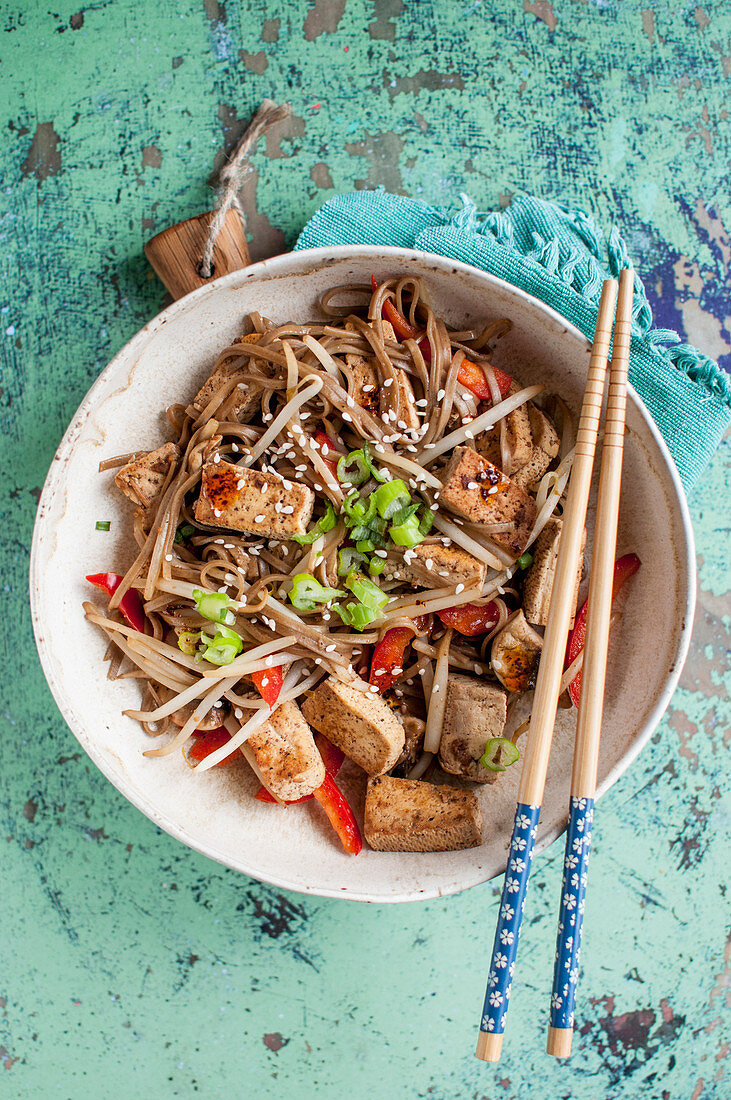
(479, 491)
(543, 432)
(405, 815)
(545, 448)
(528, 476)
(142, 479)
(241, 404)
(474, 712)
(516, 654)
(358, 722)
(429, 563)
(518, 437)
(251, 501)
(539, 578)
(369, 395)
(286, 754)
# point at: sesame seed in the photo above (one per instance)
(381, 553)
(267, 417)
(380, 448)
(401, 423)
(168, 557)
(350, 402)
(304, 415)
(300, 469)
(492, 491)
(435, 689)
(422, 402)
(269, 661)
(373, 688)
(330, 648)
(259, 519)
(459, 588)
(219, 542)
(440, 395)
(235, 447)
(264, 487)
(388, 382)
(411, 447)
(318, 660)
(287, 484)
(443, 572)
(422, 671)
(217, 511)
(287, 510)
(317, 486)
(369, 388)
(429, 563)
(348, 417)
(229, 546)
(468, 434)
(472, 485)
(238, 713)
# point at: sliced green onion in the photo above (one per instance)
(356, 614)
(404, 513)
(407, 533)
(359, 513)
(366, 591)
(525, 560)
(307, 592)
(188, 641)
(348, 558)
(324, 524)
(353, 469)
(184, 531)
(222, 647)
(391, 497)
(214, 606)
(426, 521)
(507, 751)
(376, 566)
(103, 524)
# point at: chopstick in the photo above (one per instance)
(540, 733)
(588, 729)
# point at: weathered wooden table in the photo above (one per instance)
(136, 968)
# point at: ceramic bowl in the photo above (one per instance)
(215, 812)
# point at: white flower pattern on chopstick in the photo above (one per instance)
(511, 909)
(568, 946)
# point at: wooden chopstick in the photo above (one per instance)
(593, 673)
(543, 716)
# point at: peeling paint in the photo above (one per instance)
(44, 156)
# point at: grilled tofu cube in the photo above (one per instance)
(474, 712)
(251, 501)
(430, 561)
(286, 754)
(368, 393)
(518, 437)
(358, 722)
(405, 815)
(516, 653)
(544, 450)
(479, 491)
(240, 403)
(540, 577)
(142, 479)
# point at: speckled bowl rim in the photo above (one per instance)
(268, 268)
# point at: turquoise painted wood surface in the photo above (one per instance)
(135, 968)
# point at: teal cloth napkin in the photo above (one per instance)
(560, 255)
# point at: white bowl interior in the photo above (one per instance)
(215, 812)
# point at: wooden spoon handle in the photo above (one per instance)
(176, 253)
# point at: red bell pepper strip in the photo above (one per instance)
(471, 619)
(325, 441)
(470, 375)
(335, 805)
(332, 758)
(131, 603)
(624, 568)
(268, 683)
(207, 742)
(388, 655)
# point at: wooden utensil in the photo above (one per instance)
(538, 747)
(593, 673)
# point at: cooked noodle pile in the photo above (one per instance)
(299, 385)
